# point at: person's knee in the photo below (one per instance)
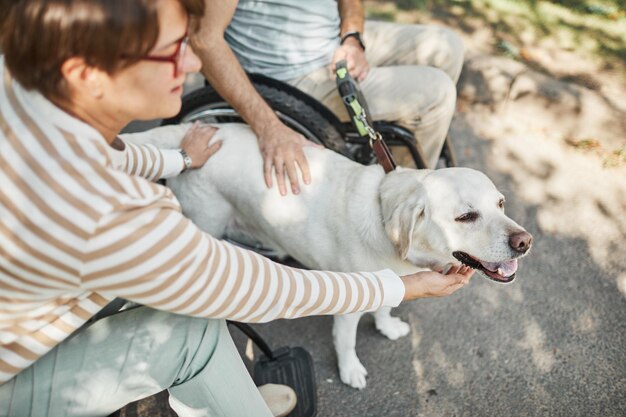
(457, 53)
(454, 43)
(449, 52)
(184, 344)
(192, 333)
(195, 331)
(440, 99)
(411, 94)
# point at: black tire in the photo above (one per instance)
(206, 104)
(305, 115)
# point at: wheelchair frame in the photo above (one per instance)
(347, 141)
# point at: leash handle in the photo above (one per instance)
(352, 98)
(360, 115)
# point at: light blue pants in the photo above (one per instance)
(131, 355)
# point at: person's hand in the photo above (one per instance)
(197, 143)
(434, 284)
(354, 55)
(282, 150)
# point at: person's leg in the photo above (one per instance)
(411, 81)
(223, 386)
(129, 356)
(419, 98)
(391, 44)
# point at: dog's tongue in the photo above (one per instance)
(506, 269)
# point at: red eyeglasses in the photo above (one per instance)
(176, 58)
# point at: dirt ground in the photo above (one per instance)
(561, 141)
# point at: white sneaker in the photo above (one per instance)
(281, 399)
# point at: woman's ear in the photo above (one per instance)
(80, 77)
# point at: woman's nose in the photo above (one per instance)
(191, 61)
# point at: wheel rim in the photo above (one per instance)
(213, 112)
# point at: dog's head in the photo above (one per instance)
(450, 216)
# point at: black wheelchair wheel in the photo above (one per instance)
(305, 115)
(295, 109)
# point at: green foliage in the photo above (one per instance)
(589, 27)
(593, 7)
(604, 8)
(384, 15)
(412, 4)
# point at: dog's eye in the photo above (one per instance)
(501, 203)
(467, 217)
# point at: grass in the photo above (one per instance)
(594, 29)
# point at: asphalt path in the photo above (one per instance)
(551, 343)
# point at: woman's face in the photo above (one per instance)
(152, 89)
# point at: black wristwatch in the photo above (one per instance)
(356, 35)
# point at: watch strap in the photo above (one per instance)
(353, 34)
(186, 160)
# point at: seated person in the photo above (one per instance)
(407, 72)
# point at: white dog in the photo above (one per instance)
(353, 218)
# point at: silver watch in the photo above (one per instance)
(186, 160)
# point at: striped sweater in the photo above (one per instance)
(79, 227)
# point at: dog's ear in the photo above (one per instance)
(403, 202)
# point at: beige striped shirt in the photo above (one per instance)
(76, 232)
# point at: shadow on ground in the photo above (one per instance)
(551, 343)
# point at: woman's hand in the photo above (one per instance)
(197, 143)
(434, 284)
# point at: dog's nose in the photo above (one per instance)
(521, 241)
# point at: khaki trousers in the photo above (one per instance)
(413, 72)
(131, 355)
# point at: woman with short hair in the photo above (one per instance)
(81, 223)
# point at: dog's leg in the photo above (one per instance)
(390, 326)
(351, 370)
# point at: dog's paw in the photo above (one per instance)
(353, 373)
(393, 327)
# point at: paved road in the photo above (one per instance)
(552, 343)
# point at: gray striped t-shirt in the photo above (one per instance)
(284, 39)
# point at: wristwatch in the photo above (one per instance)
(354, 34)
(186, 160)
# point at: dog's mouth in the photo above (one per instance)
(496, 271)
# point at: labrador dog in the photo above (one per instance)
(352, 218)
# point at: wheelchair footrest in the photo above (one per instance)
(291, 366)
